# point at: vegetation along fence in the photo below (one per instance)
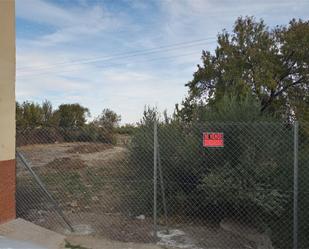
(198, 185)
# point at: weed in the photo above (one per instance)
(69, 245)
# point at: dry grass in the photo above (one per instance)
(66, 163)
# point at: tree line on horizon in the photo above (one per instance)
(33, 115)
(42, 124)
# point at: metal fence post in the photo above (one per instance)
(42, 186)
(162, 189)
(295, 203)
(155, 175)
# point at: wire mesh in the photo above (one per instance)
(236, 196)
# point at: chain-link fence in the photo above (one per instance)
(213, 185)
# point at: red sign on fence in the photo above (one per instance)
(213, 139)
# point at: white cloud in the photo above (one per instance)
(69, 24)
(44, 13)
(190, 18)
(125, 90)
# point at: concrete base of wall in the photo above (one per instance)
(22, 230)
(7, 190)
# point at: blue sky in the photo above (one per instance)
(124, 54)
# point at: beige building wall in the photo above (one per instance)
(7, 111)
(7, 79)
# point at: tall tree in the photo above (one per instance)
(28, 114)
(150, 115)
(19, 116)
(108, 119)
(271, 65)
(72, 115)
(47, 113)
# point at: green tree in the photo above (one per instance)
(72, 115)
(127, 129)
(269, 64)
(20, 122)
(47, 113)
(28, 114)
(150, 115)
(108, 119)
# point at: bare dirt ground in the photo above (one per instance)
(42, 154)
(89, 182)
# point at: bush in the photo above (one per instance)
(242, 175)
(250, 179)
(38, 136)
(126, 129)
(88, 134)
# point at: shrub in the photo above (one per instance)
(249, 179)
(39, 135)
